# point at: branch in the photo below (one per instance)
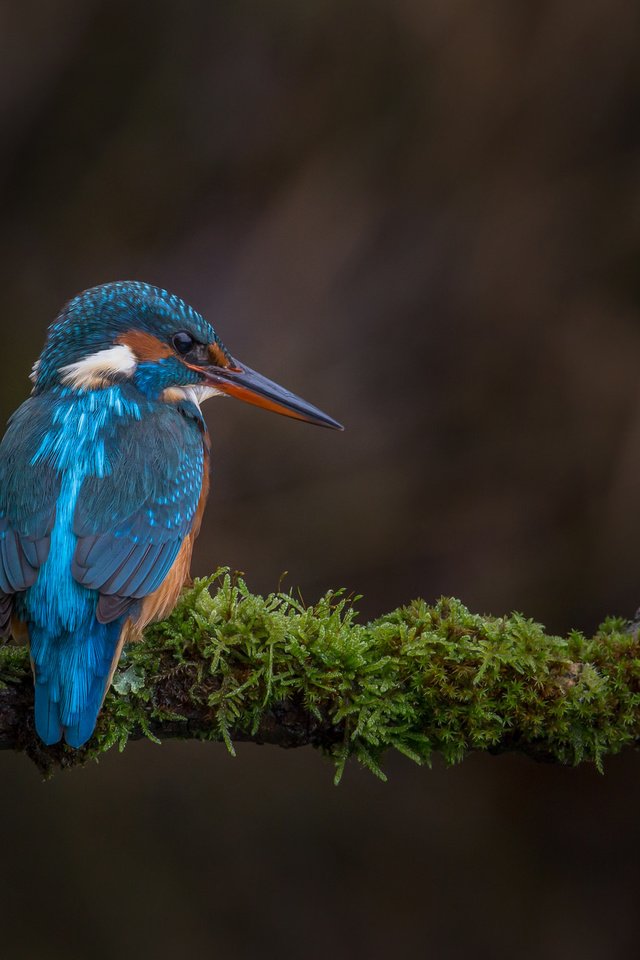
(232, 666)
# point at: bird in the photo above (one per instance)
(104, 477)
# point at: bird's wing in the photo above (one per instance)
(29, 490)
(132, 523)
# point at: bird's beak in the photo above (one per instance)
(238, 380)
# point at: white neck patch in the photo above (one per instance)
(96, 371)
(197, 394)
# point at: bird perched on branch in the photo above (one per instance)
(104, 475)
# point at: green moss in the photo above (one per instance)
(14, 665)
(422, 680)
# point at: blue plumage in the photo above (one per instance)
(71, 671)
(128, 473)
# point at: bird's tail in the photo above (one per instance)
(72, 671)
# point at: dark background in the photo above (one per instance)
(424, 216)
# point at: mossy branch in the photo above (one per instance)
(231, 666)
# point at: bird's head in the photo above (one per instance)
(133, 332)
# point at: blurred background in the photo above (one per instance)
(423, 216)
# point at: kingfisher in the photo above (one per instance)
(104, 476)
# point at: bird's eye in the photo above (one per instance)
(183, 342)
